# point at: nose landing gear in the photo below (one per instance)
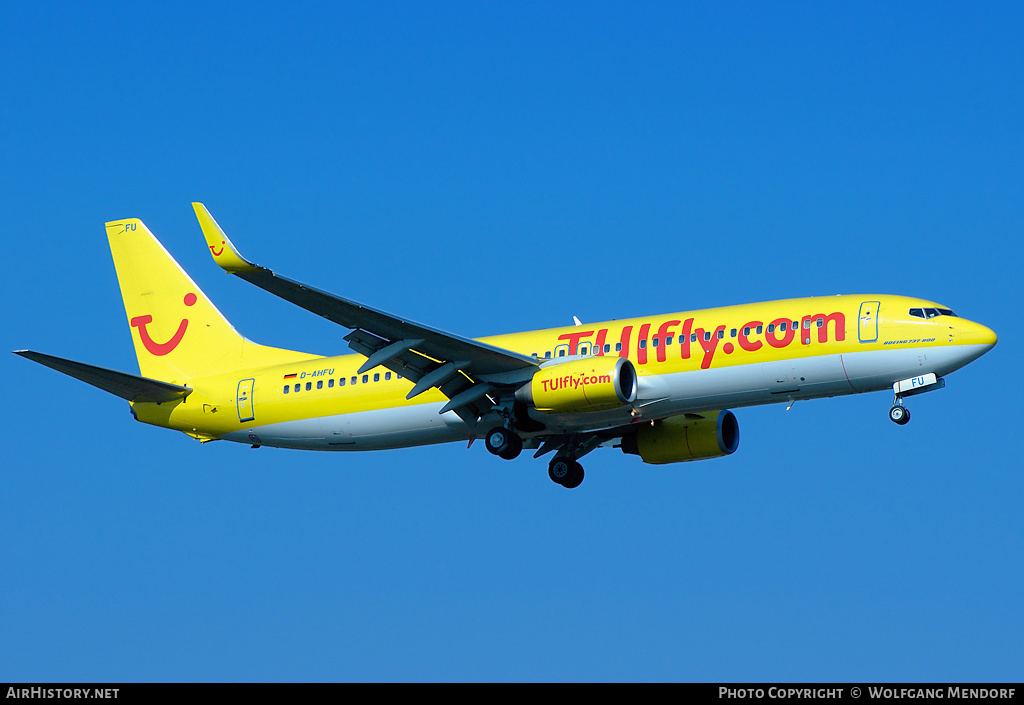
(899, 414)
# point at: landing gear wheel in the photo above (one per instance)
(504, 443)
(513, 451)
(899, 414)
(565, 472)
(575, 477)
(558, 469)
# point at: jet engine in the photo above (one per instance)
(679, 439)
(594, 383)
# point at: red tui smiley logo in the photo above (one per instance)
(151, 345)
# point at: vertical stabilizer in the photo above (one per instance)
(178, 333)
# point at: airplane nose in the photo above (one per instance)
(977, 334)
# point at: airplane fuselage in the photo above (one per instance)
(687, 362)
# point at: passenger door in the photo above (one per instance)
(246, 411)
(867, 328)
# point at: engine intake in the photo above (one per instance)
(679, 439)
(588, 384)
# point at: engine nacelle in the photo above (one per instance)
(679, 439)
(595, 383)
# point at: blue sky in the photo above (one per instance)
(489, 169)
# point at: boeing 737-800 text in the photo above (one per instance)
(656, 386)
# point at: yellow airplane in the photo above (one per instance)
(656, 386)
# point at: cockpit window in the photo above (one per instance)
(931, 312)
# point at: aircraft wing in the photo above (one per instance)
(130, 387)
(468, 372)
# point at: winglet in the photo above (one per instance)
(224, 252)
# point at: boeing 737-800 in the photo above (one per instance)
(655, 386)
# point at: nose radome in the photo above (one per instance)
(976, 333)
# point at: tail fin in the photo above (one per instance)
(178, 333)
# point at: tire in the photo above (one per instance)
(899, 415)
(559, 470)
(575, 477)
(499, 440)
(514, 448)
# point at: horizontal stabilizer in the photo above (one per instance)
(130, 387)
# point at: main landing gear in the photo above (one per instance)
(899, 414)
(504, 444)
(565, 472)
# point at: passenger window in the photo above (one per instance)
(668, 340)
(584, 349)
(732, 333)
(330, 382)
(618, 347)
(654, 342)
(547, 354)
(319, 384)
(783, 326)
(693, 337)
(819, 323)
(309, 386)
(287, 388)
(607, 347)
(759, 329)
(771, 328)
(746, 330)
(376, 376)
(561, 353)
(354, 379)
(721, 334)
(341, 382)
(297, 386)
(707, 335)
(387, 376)
(643, 343)
(366, 378)
(807, 323)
